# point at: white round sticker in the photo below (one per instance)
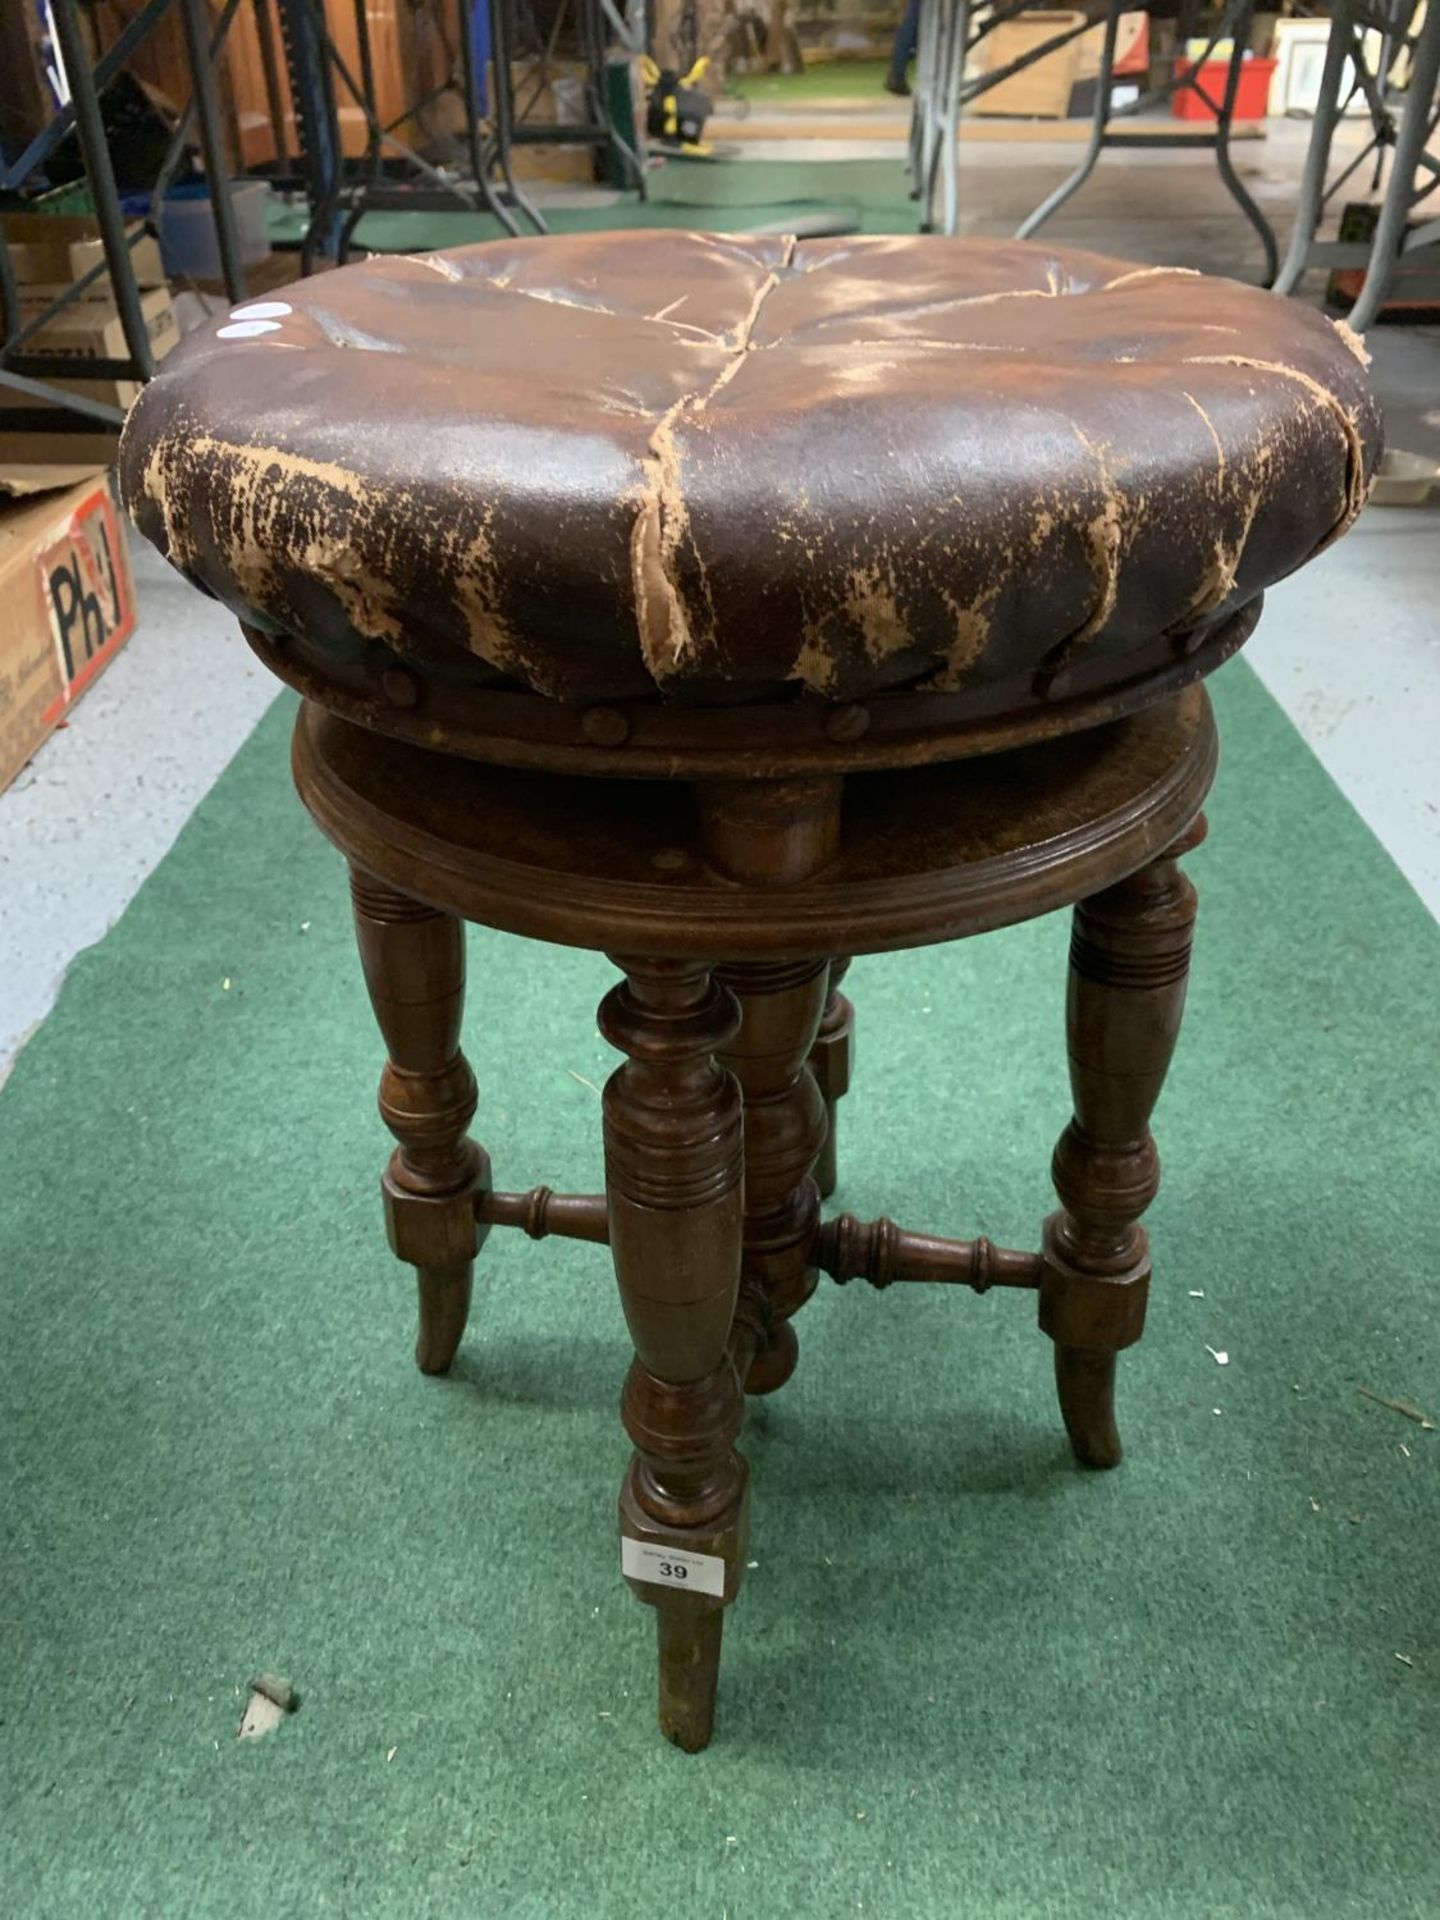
(262, 310)
(247, 329)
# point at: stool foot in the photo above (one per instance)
(414, 962)
(689, 1644)
(1085, 1383)
(444, 1294)
(1129, 960)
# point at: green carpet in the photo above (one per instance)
(713, 196)
(861, 80)
(965, 1678)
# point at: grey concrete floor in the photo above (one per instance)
(1165, 207)
(1350, 647)
(102, 801)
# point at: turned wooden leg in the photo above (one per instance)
(781, 1003)
(832, 1061)
(1129, 957)
(414, 961)
(673, 1181)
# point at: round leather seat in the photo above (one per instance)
(724, 468)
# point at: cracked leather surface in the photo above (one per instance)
(600, 464)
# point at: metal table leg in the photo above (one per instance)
(1416, 125)
(1395, 20)
(1236, 22)
(953, 48)
(959, 28)
(1244, 25)
(922, 108)
(1093, 146)
(1317, 155)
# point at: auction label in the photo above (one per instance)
(672, 1566)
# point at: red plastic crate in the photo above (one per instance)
(1252, 96)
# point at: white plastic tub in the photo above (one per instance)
(187, 229)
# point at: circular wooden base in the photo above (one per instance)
(925, 854)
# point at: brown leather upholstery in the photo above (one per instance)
(600, 464)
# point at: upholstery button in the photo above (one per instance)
(400, 687)
(844, 724)
(606, 726)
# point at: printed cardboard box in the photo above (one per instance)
(67, 603)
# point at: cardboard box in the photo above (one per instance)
(54, 249)
(67, 603)
(1041, 91)
(92, 330)
(70, 455)
(1132, 48)
(559, 97)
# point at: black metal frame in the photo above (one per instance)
(391, 175)
(598, 129)
(340, 194)
(28, 374)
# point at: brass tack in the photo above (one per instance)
(605, 726)
(400, 687)
(844, 724)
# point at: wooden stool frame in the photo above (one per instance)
(731, 900)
